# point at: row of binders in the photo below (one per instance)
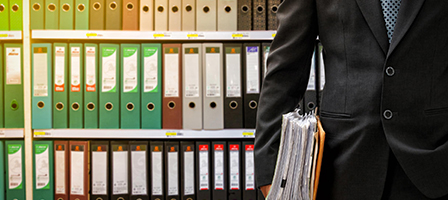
(203, 170)
(11, 15)
(154, 15)
(146, 86)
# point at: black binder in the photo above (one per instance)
(320, 73)
(234, 171)
(99, 151)
(203, 170)
(139, 170)
(233, 90)
(251, 82)
(260, 195)
(120, 188)
(249, 190)
(266, 47)
(310, 98)
(172, 170)
(156, 170)
(219, 175)
(187, 170)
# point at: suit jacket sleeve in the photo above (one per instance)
(286, 80)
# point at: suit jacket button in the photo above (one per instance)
(390, 71)
(388, 114)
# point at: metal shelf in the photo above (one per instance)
(11, 133)
(10, 35)
(144, 134)
(152, 35)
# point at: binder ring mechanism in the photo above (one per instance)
(40, 104)
(90, 106)
(51, 7)
(109, 106)
(96, 6)
(253, 104)
(15, 8)
(81, 7)
(171, 105)
(130, 6)
(36, 7)
(130, 106)
(150, 106)
(59, 106)
(2, 8)
(113, 5)
(65, 7)
(75, 106)
(233, 105)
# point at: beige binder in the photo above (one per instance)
(160, 15)
(227, 15)
(206, 15)
(174, 15)
(188, 15)
(146, 15)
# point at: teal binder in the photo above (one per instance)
(15, 170)
(91, 86)
(130, 90)
(61, 83)
(15, 15)
(2, 112)
(52, 10)
(43, 170)
(82, 15)
(41, 86)
(2, 169)
(76, 75)
(13, 82)
(151, 86)
(109, 94)
(66, 15)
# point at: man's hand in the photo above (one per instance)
(265, 190)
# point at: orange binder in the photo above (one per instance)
(172, 89)
(130, 14)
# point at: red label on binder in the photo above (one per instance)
(234, 147)
(249, 147)
(203, 147)
(219, 147)
(59, 88)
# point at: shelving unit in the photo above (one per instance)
(11, 133)
(10, 35)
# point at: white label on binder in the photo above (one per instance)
(139, 186)
(42, 166)
(151, 55)
(99, 173)
(130, 75)
(312, 79)
(75, 70)
(59, 181)
(250, 167)
(203, 167)
(90, 69)
(234, 167)
(15, 166)
(233, 75)
(40, 72)
(213, 74)
(252, 70)
(59, 69)
(13, 66)
(120, 172)
(171, 76)
(192, 75)
(77, 173)
(189, 173)
(219, 167)
(173, 182)
(157, 173)
(109, 68)
(321, 69)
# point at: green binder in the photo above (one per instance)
(109, 94)
(151, 86)
(91, 86)
(2, 169)
(60, 91)
(13, 80)
(43, 172)
(76, 98)
(38, 10)
(82, 15)
(4, 15)
(130, 90)
(52, 9)
(2, 112)
(15, 170)
(66, 15)
(15, 15)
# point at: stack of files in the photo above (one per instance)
(299, 158)
(15, 169)
(13, 86)
(43, 186)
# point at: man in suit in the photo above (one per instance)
(385, 102)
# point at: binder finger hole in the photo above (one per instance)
(65, 7)
(130, 106)
(59, 106)
(36, 7)
(75, 106)
(233, 105)
(96, 6)
(188, 8)
(113, 6)
(99, 198)
(311, 105)
(81, 7)
(206, 9)
(160, 8)
(51, 7)
(15, 8)
(121, 198)
(90, 106)
(213, 104)
(253, 104)
(2, 8)
(40, 104)
(228, 9)
(150, 106)
(109, 106)
(191, 105)
(274, 9)
(245, 8)
(130, 6)
(171, 105)
(260, 9)
(145, 8)
(174, 9)
(60, 199)
(14, 106)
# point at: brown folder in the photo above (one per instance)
(96, 18)
(172, 87)
(61, 175)
(320, 139)
(130, 15)
(79, 170)
(113, 14)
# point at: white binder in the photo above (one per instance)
(175, 15)
(192, 86)
(227, 15)
(206, 15)
(161, 15)
(146, 15)
(188, 15)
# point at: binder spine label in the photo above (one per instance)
(109, 69)
(75, 69)
(157, 173)
(189, 173)
(13, 66)
(213, 69)
(59, 69)
(253, 70)
(203, 167)
(120, 175)
(90, 69)
(233, 72)
(171, 76)
(192, 75)
(40, 72)
(173, 177)
(15, 166)
(151, 69)
(234, 167)
(130, 78)
(99, 173)
(77, 171)
(60, 171)
(219, 166)
(42, 166)
(250, 171)
(139, 175)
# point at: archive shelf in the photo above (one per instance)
(144, 134)
(153, 35)
(10, 35)
(11, 133)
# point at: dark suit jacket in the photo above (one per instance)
(365, 76)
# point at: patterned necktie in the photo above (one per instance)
(390, 12)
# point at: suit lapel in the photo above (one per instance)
(373, 14)
(406, 16)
